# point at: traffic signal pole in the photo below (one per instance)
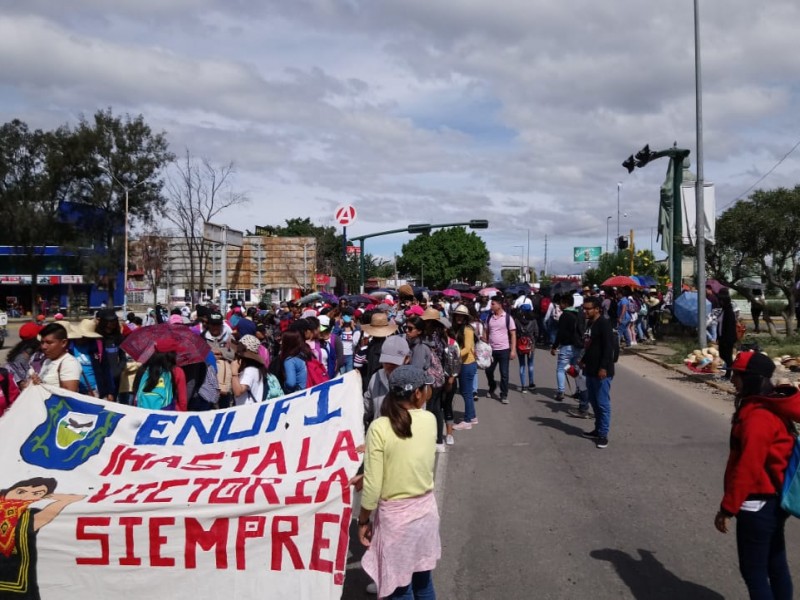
(677, 156)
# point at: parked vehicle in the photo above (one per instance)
(3, 328)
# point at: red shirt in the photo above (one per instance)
(760, 447)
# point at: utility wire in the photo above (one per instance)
(762, 178)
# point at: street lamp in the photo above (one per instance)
(608, 220)
(521, 260)
(125, 242)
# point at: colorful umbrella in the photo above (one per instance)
(140, 343)
(467, 296)
(489, 291)
(620, 281)
(451, 293)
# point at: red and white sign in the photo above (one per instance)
(354, 250)
(345, 214)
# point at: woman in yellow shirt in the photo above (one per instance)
(403, 539)
(465, 336)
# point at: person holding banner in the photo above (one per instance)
(403, 544)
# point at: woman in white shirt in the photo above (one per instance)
(248, 372)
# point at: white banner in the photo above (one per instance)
(689, 204)
(250, 502)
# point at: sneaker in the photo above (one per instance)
(441, 448)
(559, 396)
(462, 426)
(532, 388)
(591, 434)
(579, 414)
(475, 398)
(474, 421)
(372, 588)
(602, 442)
(449, 439)
(503, 400)
(523, 390)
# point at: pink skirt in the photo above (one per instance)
(405, 540)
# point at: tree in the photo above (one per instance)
(155, 257)
(114, 166)
(198, 191)
(760, 236)
(31, 188)
(443, 256)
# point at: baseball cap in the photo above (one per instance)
(394, 350)
(29, 331)
(324, 322)
(405, 379)
(215, 318)
(753, 363)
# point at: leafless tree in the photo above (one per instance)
(155, 260)
(198, 191)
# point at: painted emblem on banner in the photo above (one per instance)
(71, 434)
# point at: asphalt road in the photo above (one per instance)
(530, 509)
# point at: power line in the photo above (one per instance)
(762, 178)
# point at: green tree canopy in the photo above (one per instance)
(443, 256)
(759, 237)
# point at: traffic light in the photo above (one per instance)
(643, 156)
(622, 243)
(419, 228)
(479, 224)
(630, 164)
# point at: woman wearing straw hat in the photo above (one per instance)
(248, 372)
(87, 349)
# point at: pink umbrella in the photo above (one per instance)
(451, 293)
(489, 291)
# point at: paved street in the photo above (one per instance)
(530, 509)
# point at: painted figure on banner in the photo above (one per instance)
(19, 524)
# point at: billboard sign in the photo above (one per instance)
(586, 253)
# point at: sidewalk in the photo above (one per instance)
(656, 354)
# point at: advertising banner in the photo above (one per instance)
(586, 253)
(248, 502)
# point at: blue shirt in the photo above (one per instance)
(295, 374)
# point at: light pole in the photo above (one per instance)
(521, 260)
(700, 209)
(608, 220)
(619, 186)
(125, 239)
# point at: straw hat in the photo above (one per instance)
(461, 309)
(86, 329)
(431, 314)
(380, 326)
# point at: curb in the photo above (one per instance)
(721, 387)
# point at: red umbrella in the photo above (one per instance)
(620, 281)
(140, 344)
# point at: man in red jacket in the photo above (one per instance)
(760, 446)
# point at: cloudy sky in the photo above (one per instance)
(438, 111)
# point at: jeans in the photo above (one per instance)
(420, 588)
(625, 333)
(567, 355)
(447, 402)
(762, 552)
(435, 406)
(526, 365)
(600, 399)
(502, 358)
(348, 363)
(467, 380)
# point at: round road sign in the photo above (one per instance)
(345, 214)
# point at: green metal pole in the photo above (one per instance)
(361, 268)
(677, 226)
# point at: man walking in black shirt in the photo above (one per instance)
(598, 366)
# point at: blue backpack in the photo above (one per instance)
(160, 397)
(790, 496)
